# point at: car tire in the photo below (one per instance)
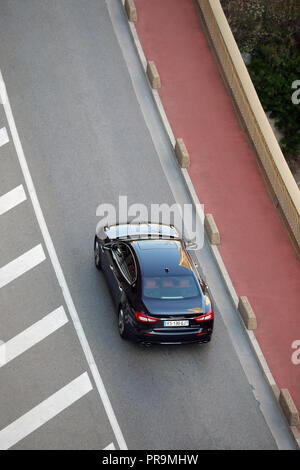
(123, 328)
(97, 254)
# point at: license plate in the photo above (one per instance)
(176, 323)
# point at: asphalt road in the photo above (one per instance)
(81, 115)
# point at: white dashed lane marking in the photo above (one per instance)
(45, 411)
(4, 139)
(17, 267)
(32, 335)
(110, 447)
(21, 265)
(12, 199)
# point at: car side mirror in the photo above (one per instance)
(204, 286)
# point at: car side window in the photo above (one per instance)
(125, 260)
(130, 266)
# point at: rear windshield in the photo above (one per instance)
(170, 287)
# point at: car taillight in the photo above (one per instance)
(206, 316)
(145, 318)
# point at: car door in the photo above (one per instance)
(129, 283)
(129, 275)
(120, 270)
(124, 270)
(111, 257)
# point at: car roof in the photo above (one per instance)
(155, 256)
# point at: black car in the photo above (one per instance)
(159, 295)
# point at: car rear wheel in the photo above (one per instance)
(97, 254)
(123, 329)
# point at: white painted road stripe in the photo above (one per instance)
(21, 265)
(3, 93)
(110, 447)
(45, 411)
(32, 335)
(4, 139)
(12, 199)
(58, 270)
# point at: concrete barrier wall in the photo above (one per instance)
(260, 132)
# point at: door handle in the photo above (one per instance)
(111, 267)
(120, 288)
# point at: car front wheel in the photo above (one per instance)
(97, 254)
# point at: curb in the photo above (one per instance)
(247, 313)
(153, 75)
(289, 407)
(215, 251)
(130, 10)
(182, 153)
(212, 229)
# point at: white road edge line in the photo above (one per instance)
(58, 270)
(46, 410)
(32, 335)
(21, 265)
(12, 199)
(4, 139)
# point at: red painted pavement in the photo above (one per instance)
(254, 244)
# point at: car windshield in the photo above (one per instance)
(170, 287)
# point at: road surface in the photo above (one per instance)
(83, 130)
